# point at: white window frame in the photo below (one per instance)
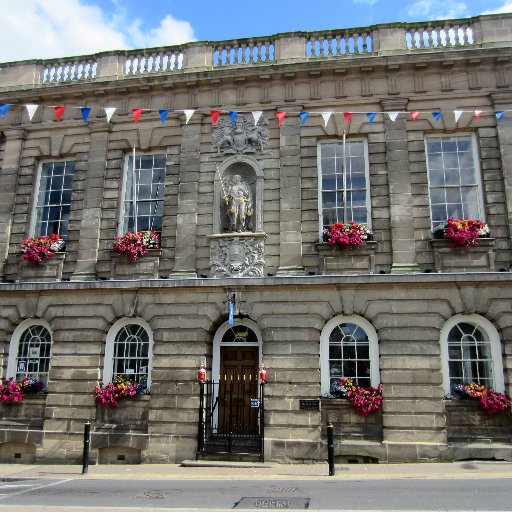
(108, 364)
(122, 228)
(478, 172)
(496, 356)
(14, 345)
(324, 349)
(37, 188)
(320, 178)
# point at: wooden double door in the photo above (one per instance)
(238, 390)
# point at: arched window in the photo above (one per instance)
(348, 348)
(471, 352)
(30, 351)
(128, 351)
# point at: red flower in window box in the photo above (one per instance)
(40, 248)
(135, 245)
(463, 232)
(490, 401)
(119, 388)
(364, 399)
(346, 236)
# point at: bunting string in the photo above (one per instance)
(302, 116)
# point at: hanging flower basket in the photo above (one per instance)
(490, 401)
(12, 391)
(40, 248)
(346, 236)
(364, 399)
(462, 233)
(135, 245)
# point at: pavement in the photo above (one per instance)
(258, 471)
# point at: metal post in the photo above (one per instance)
(85, 457)
(330, 449)
(262, 420)
(200, 426)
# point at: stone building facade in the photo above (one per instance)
(417, 310)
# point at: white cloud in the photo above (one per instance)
(437, 9)
(505, 8)
(56, 28)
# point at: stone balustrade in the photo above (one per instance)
(487, 31)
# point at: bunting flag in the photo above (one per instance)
(347, 116)
(163, 112)
(415, 115)
(280, 116)
(478, 113)
(233, 114)
(59, 111)
(457, 114)
(303, 117)
(371, 116)
(109, 112)
(188, 115)
(4, 107)
(499, 114)
(31, 110)
(85, 111)
(136, 114)
(326, 116)
(215, 116)
(393, 115)
(256, 115)
(437, 115)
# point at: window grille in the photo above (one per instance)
(131, 353)
(34, 352)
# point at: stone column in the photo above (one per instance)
(400, 189)
(186, 221)
(503, 101)
(9, 178)
(88, 243)
(290, 226)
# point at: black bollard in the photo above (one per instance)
(330, 449)
(85, 457)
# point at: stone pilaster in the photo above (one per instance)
(503, 101)
(88, 243)
(186, 221)
(290, 228)
(8, 178)
(400, 190)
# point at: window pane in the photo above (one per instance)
(33, 358)
(131, 353)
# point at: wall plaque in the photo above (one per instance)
(309, 405)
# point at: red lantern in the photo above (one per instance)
(201, 373)
(263, 374)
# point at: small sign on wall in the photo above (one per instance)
(254, 403)
(22, 366)
(309, 405)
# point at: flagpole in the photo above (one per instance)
(134, 194)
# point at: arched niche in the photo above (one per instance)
(251, 173)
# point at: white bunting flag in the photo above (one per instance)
(31, 110)
(109, 112)
(393, 115)
(256, 115)
(326, 116)
(188, 115)
(457, 114)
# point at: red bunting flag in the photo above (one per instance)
(478, 113)
(280, 116)
(136, 114)
(347, 116)
(415, 115)
(59, 111)
(215, 116)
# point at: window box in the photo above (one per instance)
(48, 270)
(131, 415)
(336, 260)
(478, 258)
(466, 422)
(348, 424)
(143, 268)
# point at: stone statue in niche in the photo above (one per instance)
(242, 136)
(239, 205)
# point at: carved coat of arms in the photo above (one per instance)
(242, 136)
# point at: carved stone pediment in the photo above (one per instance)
(242, 136)
(237, 256)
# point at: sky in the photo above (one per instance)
(45, 29)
